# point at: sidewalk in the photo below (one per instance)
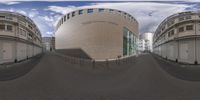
(14, 70)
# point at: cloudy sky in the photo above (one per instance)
(148, 13)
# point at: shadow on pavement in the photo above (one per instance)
(13, 71)
(181, 71)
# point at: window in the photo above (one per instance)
(90, 10)
(111, 10)
(22, 22)
(181, 19)
(163, 28)
(73, 14)
(130, 17)
(188, 17)
(181, 29)
(169, 34)
(22, 32)
(125, 15)
(170, 23)
(2, 27)
(30, 26)
(2, 16)
(62, 21)
(80, 12)
(189, 27)
(119, 12)
(9, 17)
(64, 18)
(9, 28)
(129, 42)
(68, 16)
(172, 32)
(101, 10)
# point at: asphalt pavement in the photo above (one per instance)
(53, 78)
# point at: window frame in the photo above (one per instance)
(189, 27)
(182, 29)
(89, 11)
(80, 12)
(73, 13)
(101, 9)
(7, 29)
(2, 27)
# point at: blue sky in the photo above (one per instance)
(148, 13)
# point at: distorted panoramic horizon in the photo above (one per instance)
(99, 50)
(148, 13)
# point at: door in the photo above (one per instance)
(184, 51)
(7, 51)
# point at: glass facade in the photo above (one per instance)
(129, 42)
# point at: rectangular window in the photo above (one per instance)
(111, 10)
(2, 27)
(172, 32)
(125, 15)
(101, 10)
(22, 22)
(130, 17)
(129, 42)
(23, 32)
(9, 17)
(9, 28)
(181, 19)
(169, 34)
(90, 10)
(64, 18)
(73, 14)
(180, 29)
(80, 12)
(68, 16)
(2, 16)
(170, 23)
(62, 21)
(30, 26)
(163, 28)
(188, 17)
(125, 42)
(189, 27)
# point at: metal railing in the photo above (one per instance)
(98, 64)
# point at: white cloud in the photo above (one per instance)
(148, 14)
(9, 2)
(62, 10)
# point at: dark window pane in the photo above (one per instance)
(172, 32)
(189, 27)
(9, 28)
(68, 16)
(90, 10)
(111, 10)
(2, 27)
(64, 18)
(181, 19)
(80, 12)
(181, 29)
(2, 17)
(188, 17)
(73, 14)
(101, 10)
